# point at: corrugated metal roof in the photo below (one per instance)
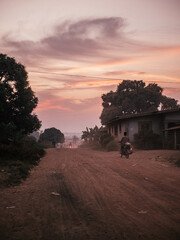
(141, 115)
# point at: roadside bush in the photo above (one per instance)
(9, 133)
(147, 140)
(27, 149)
(105, 139)
(99, 139)
(18, 158)
(31, 150)
(112, 146)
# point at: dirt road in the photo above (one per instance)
(80, 194)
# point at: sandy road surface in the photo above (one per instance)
(101, 196)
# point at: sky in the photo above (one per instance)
(76, 50)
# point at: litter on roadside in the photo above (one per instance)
(55, 194)
(142, 212)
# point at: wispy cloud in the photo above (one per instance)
(166, 49)
(94, 43)
(118, 73)
(71, 40)
(50, 100)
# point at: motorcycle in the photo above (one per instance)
(126, 150)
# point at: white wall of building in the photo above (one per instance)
(131, 125)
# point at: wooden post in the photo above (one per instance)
(163, 139)
(175, 139)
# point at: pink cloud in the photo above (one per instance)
(49, 104)
(171, 90)
(68, 104)
(166, 49)
(85, 112)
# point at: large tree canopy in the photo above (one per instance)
(52, 135)
(17, 100)
(133, 97)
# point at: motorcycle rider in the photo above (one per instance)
(123, 141)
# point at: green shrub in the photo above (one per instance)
(30, 149)
(105, 139)
(99, 139)
(27, 149)
(8, 132)
(18, 158)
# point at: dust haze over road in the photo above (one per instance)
(84, 194)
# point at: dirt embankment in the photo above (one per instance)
(84, 194)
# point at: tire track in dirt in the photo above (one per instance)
(96, 228)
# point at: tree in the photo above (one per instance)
(52, 135)
(91, 134)
(17, 100)
(86, 135)
(98, 138)
(133, 97)
(94, 135)
(168, 103)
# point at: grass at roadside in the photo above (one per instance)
(17, 159)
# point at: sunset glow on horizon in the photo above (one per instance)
(74, 51)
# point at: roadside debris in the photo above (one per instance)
(55, 194)
(164, 165)
(134, 165)
(142, 212)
